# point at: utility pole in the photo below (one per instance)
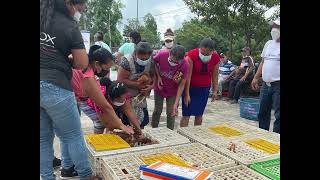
(137, 14)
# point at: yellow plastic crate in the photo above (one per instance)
(104, 142)
(165, 157)
(264, 145)
(225, 131)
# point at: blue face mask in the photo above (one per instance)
(142, 62)
(204, 58)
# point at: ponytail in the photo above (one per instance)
(46, 12)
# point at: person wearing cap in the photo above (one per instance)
(132, 67)
(203, 73)
(244, 76)
(85, 85)
(173, 72)
(128, 48)
(269, 68)
(225, 70)
(98, 38)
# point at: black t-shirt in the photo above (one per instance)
(55, 46)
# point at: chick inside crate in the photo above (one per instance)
(247, 150)
(119, 143)
(195, 155)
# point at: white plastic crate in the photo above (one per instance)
(204, 135)
(121, 167)
(164, 136)
(126, 166)
(237, 172)
(244, 153)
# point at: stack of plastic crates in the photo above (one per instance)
(164, 136)
(126, 166)
(270, 169)
(247, 149)
(217, 131)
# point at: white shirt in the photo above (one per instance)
(104, 45)
(271, 65)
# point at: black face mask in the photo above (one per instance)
(102, 74)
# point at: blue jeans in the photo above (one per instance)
(59, 115)
(269, 96)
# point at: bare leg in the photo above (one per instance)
(184, 121)
(198, 120)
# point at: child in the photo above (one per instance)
(172, 72)
(117, 96)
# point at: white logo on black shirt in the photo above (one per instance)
(46, 39)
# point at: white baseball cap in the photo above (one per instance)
(277, 22)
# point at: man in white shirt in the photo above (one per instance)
(98, 38)
(270, 70)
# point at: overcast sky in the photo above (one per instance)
(168, 13)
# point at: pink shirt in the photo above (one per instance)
(77, 81)
(168, 73)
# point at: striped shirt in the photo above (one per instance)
(226, 68)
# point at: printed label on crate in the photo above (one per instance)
(103, 142)
(225, 131)
(264, 145)
(171, 158)
(162, 170)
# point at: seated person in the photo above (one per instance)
(225, 69)
(245, 75)
(116, 94)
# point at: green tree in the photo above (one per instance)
(100, 15)
(192, 32)
(236, 18)
(147, 30)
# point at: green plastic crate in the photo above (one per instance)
(270, 168)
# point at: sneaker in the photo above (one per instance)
(234, 102)
(69, 173)
(56, 163)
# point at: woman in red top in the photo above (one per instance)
(204, 71)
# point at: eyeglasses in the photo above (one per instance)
(168, 41)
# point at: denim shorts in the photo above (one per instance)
(91, 113)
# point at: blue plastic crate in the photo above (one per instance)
(249, 108)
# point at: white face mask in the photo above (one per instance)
(118, 103)
(172, 63)
(275, 33)
(204, 58)
(77, 15)
(141, 62)
(169, 45)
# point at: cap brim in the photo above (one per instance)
(168, 38)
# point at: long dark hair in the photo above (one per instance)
(48, 7)
(114, 89)
(46, 12)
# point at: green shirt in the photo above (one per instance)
(103, 45)
(127, 48)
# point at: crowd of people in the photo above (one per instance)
(74, 82)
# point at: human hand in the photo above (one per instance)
(146, 89)
(174, 110)
(243, 78)
(159, 83)
(127, 129)
(254, 84)
(214, 96)
(187, 100)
